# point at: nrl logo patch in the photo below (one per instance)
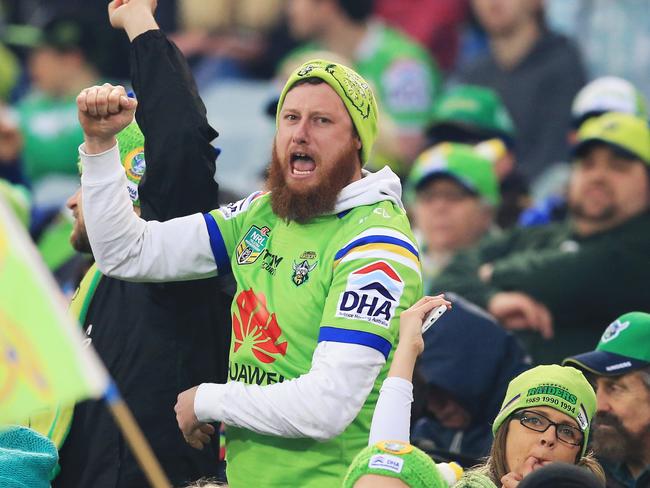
(613, 331)
(301, 272)
(251, 246)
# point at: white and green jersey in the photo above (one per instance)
(306, 294)
(342, 278)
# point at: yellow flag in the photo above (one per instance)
(43, 361)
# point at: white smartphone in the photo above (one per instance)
(432, 316)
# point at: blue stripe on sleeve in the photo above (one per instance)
(373, 240)
(362, 338)
(218, 246)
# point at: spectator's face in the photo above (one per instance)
(502, 17)
(447, 410)
(306, 17)
(607, 189)
(449, 217)
(621, 429)
(79, 236)
(316, 153)
(528, 450)
(50, 69)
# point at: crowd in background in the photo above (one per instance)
(492, 112)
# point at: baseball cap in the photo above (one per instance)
(626, 134)
(397, 459)
(608, 94)
(560, 387)
(355, 92)
(476, 109)
(622, 348)
(26, 458)
(460, 162)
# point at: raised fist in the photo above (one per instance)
(104, 111)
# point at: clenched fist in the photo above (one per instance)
(103, 112)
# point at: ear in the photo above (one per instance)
(358, 143)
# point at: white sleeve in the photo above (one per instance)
(319, 404)
(127, 247)
(392, 418)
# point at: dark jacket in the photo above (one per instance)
(586, 282)
(538, 93)
(155, 339)
(470, 356)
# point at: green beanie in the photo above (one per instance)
(26, 458)
(560, 387)
(353, 90)
(395, 459)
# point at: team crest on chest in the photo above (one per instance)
(251, 246)
(301, 272)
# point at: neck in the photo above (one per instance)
(79, 80)
(440, 258)
(343, 37)
(509, 49)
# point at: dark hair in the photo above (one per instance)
(357, 10)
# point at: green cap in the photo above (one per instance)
(353, 90)
(131, 144)
(395, 459)
(460, 162)
(474, 108)
(560, 387)
(627, 134)
(608, 94)
(623, 347)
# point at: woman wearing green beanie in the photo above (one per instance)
(545, 416)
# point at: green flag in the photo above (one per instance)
(43, 361)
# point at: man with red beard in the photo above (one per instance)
(620, 370)
(325, 263)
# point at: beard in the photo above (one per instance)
(302, 205)
(581, 211)
(79, 239)
(616, 443)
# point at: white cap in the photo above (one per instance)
(608, 94)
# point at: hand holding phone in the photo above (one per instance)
(432, 316)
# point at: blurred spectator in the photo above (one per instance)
(613, 37)
(572, 273)
(473, 114)
(455, 195)
(404, 77)
(536, 72)
(561, 475)
(60, 65)
(465, 382)
(226, 38)
(620, 367)
(607, 94)
(435, 24)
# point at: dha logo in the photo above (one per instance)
(256, 329)
(553, 391)
(372, 294)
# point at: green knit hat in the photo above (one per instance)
(395, 459)
(26, 458)
(627, 134)
(460, 162)
(560, 387)
(353, 90)
(131, 144)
